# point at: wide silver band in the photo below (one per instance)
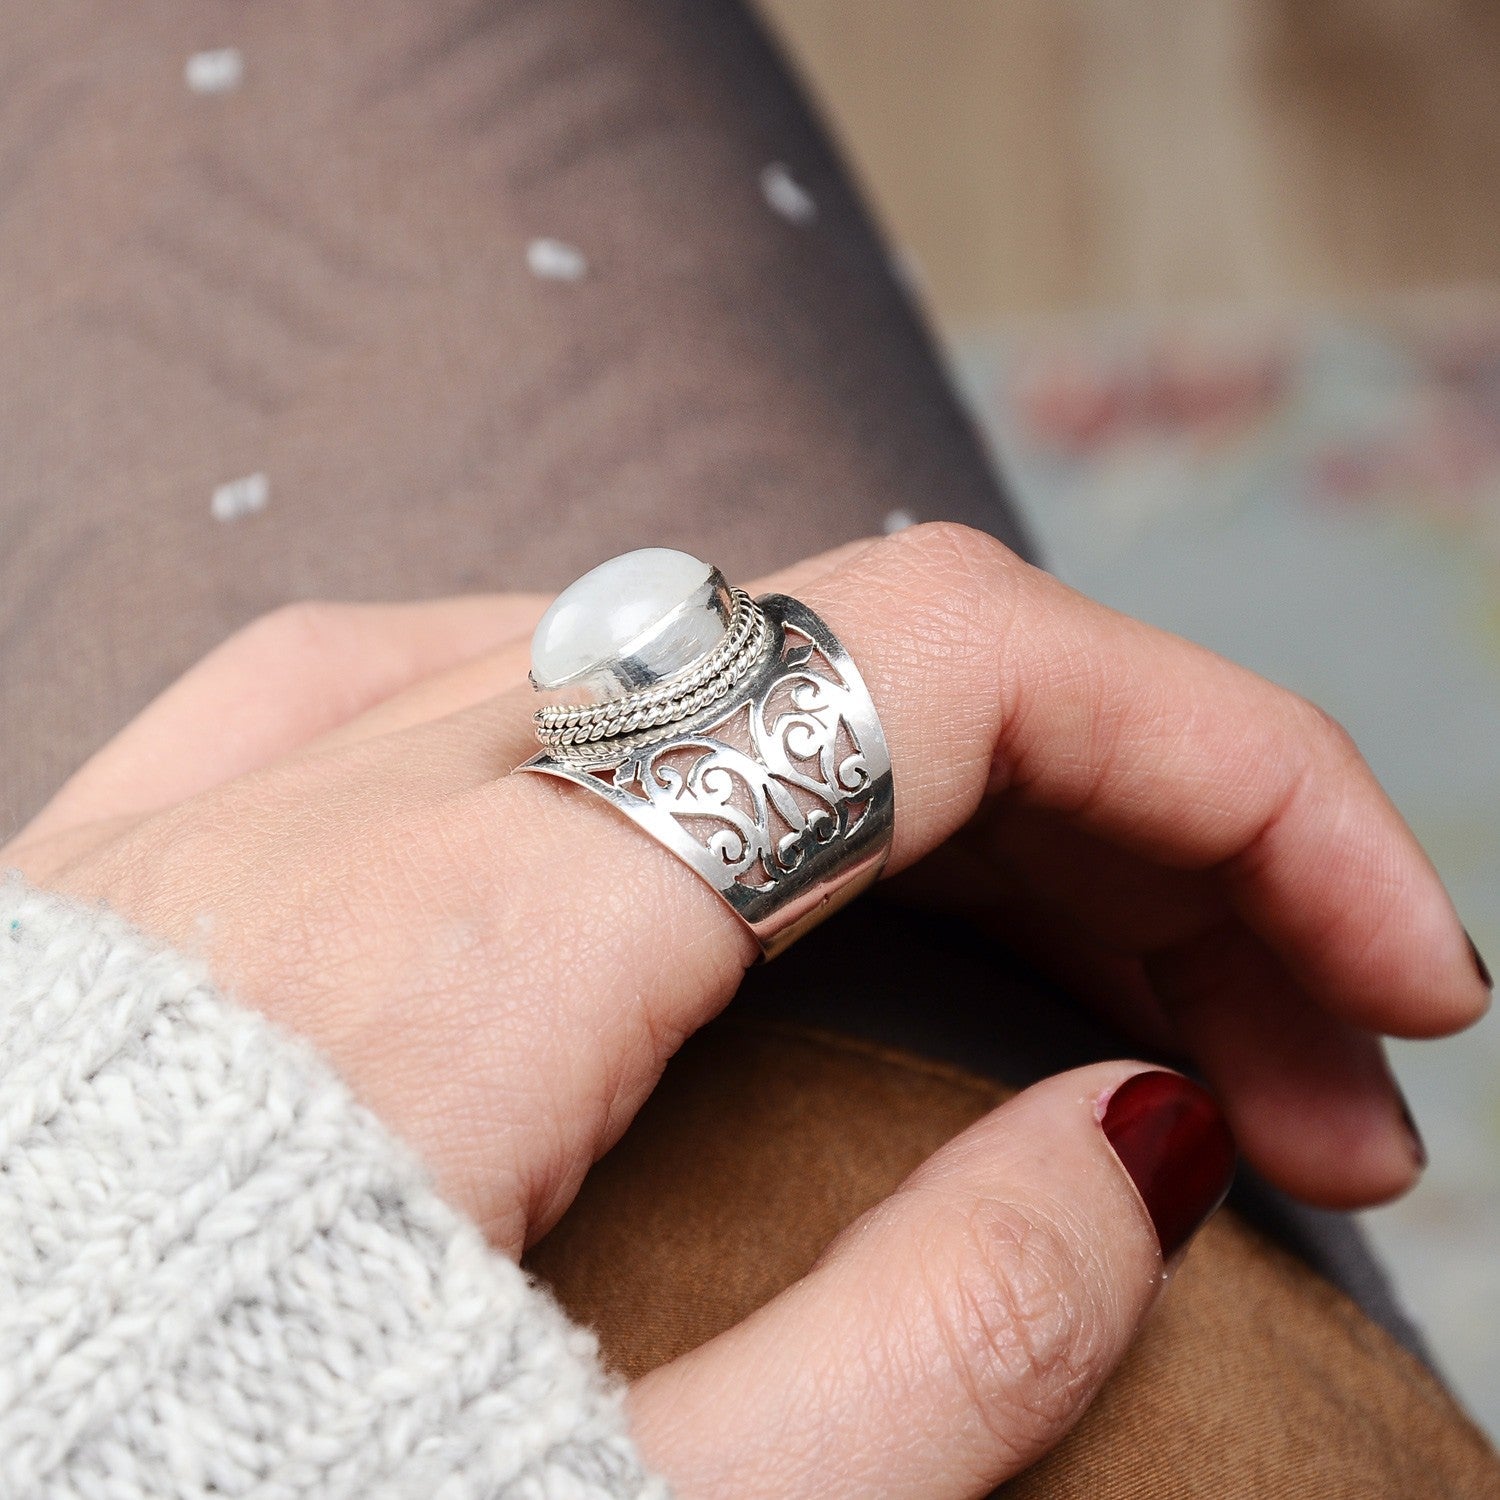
(778, 793)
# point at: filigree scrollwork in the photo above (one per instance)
(765, 805)
(780, 797)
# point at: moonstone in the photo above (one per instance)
(631, 607)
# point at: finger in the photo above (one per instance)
(1118, 897)
(1310, 1098)
(1000, 899)
(990, 678)
(954, 1334)
(1165, 750)
(282, 680)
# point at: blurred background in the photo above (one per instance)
(1221, 281)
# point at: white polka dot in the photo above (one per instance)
(220, 71)
(787, 196)
(240, 497)
(556, 260)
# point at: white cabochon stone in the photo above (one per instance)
(615, 610)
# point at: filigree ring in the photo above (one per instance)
(735, 731)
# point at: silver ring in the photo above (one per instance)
(736, 732)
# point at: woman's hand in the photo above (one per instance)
(321, 807)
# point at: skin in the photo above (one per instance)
(321, 807)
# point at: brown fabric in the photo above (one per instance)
(1254, 1379)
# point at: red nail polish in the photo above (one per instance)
(1480, 967)
(1172, 1140)
(1418, 1146)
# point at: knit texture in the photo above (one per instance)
(220, 1276)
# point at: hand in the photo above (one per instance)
(321, 806)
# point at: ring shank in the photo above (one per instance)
(780, 796)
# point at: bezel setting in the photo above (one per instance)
(664, 701)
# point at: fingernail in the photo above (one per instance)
(1172, 1140)
(1418, 1146)
(1480, 967)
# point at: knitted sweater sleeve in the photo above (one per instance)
(219, 1276)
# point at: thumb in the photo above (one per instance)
(952, 1335)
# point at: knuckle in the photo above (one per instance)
(1321, 738)
(1335, 736)
(957, 590)
(948, 553)
(1019, 1319)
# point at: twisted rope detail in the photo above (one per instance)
(687, 693)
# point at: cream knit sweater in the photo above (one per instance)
(219, 1276)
